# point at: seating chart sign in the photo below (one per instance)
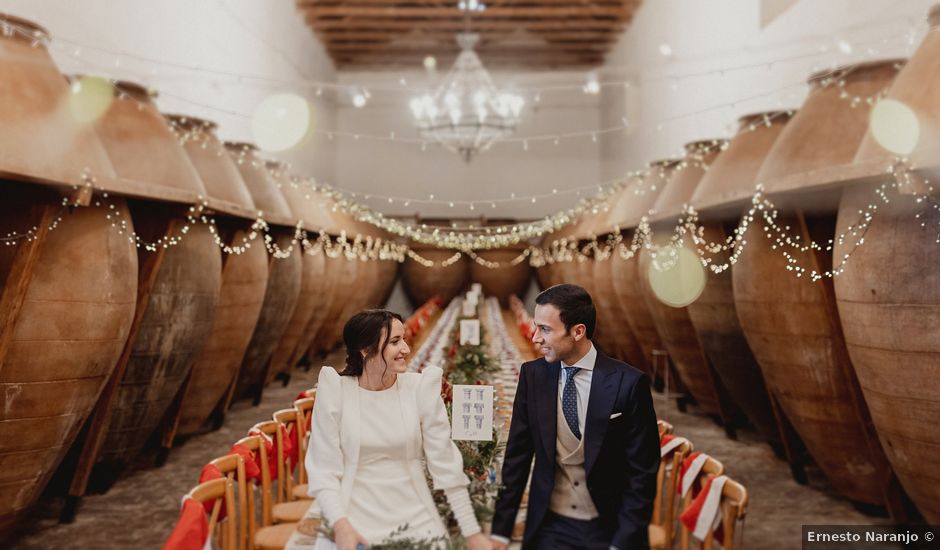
(470, 332)
(472, 413)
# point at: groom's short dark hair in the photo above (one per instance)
(574, 305)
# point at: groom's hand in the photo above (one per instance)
(499, 545)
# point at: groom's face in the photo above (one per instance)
(554, 341)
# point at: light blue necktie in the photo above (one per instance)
(569, 401)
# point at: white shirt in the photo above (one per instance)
(582, 383)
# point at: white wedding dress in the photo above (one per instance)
(365, 458)
(383, 498)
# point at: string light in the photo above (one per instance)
(360, 95)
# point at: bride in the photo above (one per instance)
(372, 424)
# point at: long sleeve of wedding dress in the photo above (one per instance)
(324, 461)
(444, 461)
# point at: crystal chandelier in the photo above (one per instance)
(467, 113)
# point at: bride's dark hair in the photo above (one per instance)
(364, 332)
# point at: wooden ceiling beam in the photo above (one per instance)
(316, 4)
(360, 24)
(387, 64)
(502, 59)
(382, 34)
(436, 49)
(397, 12)
(334, 35)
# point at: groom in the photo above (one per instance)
(589, 421)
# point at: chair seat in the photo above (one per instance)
(657, 536)
(290, 512)
(274, 537)
(300, 492)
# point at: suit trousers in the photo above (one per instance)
(563, 533)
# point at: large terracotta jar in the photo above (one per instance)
(673, 323)
(178, 285)
(889, 292)
(505, 280)
(733, 177)
(633, 203)
(423, 283)
(244, 278)
(310, 299)
(67, 295)
(285, 270)
(791, 323)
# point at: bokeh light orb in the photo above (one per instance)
(676, 276)
(89, 98)
(282, 122)
(894, 126)
(430, 63)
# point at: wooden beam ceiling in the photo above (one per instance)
(518, 33)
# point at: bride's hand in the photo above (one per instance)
(346, 537)
(479, 542)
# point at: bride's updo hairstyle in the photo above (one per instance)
(367, 331)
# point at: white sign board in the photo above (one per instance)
(470, 332)
(469, 309)
(472, 413)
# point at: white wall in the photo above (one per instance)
(191, 52)
(727, 60)
(399, 168)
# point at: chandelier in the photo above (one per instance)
(466, 114)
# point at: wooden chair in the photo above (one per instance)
(255, 444)
(734, 509)
(711, 469)
(662, 529)
(294, 501)
(304, 409)
(269, 536)
(664, 428)
(218, 490)
(233, 468)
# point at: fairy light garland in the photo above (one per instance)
(369, 249)
(902, 178)
(838, 79)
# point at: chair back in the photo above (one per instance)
(664, 428)
(667, 479)
(220, 491)
(270, 429)
(712, 468)
(285, 468)
(734, 509)
(255, 444)
(304, 409)
(233, 468)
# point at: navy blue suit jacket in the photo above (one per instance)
(621, 455)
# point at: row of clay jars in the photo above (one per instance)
(422, 283)
(765, 294)
(764, 291)
(155, 350)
